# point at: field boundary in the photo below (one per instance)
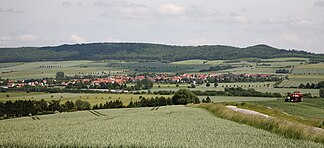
(279, 126)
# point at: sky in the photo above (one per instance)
(286, 24)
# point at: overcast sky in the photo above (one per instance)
(289, 24)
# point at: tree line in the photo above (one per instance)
(312, 86)
(21, 108)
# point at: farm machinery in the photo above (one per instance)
(294, 97)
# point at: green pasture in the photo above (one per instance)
(8, 95)
(169, 86)
(199, 62)
(281, 64)
(311, 73)
(285, 59)
(158, 67)
(258, 86)
(309, 70)
(235, 99)
(9, 64)
(309, 108)
(169, 126)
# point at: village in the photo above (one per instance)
(120, 81)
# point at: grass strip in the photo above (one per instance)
(274, 125)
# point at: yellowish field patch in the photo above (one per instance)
(286, 59)
(306, 77)
(91, 98)
(320, 66)
(199, 62)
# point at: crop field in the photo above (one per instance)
(170, 126)
(199, 62)
(281, 64)
(251, 70)
(258, 86)
(312, 73)
(295, 80)
(310, 69)
(285, 59)
(91, 98)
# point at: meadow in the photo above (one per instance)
(93, 99)
(170, 126)
(258, 86)
(309, 108)
(235, 99)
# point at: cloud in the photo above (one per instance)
(111, 3)
(70, 4)
(240, 19)
(76, 38)
(26, 37)
(289, 37)
(10, 10)
(319, 3)
(171, 9)
(198, 13)
(67, 4)
(4, 40)
(123, 9)
(109, 39)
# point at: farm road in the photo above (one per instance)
(246, 111)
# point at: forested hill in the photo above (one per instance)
(145, 51)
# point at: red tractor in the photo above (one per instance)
(294, 97)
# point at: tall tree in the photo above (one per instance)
(59, 75)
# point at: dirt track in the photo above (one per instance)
(251, 112)
(246, 111)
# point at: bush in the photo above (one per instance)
(184, 96)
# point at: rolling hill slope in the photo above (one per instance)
(146, 52)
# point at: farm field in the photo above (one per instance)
(34, 70)
(170, 126)
(91, 98)
(158, 67)
(285, 59)
(312, 73)
(258, 86)
(235, 99)
(281, 64)
(309, 108)
(310, 69)
(199, 62)
(296, 80)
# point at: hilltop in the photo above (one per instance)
(146, 52)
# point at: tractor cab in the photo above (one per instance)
(294, 97)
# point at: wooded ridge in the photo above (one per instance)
(146, 52)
